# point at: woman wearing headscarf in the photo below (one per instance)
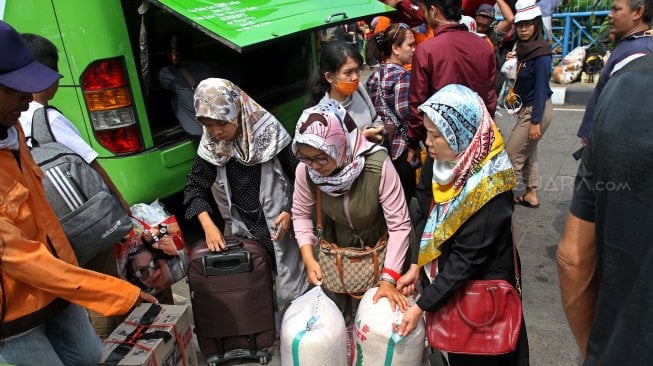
(245, 163)
(338, 78)
(360, 192)
(532, 85)
(468, 234)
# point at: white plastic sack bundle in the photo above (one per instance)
(151, 214)
(313, 332)
(570, 67)
(509, 68)
(377, 343)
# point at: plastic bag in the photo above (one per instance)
(149, 266)
(509, 68)
(151, 214)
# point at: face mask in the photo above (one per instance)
(346, 87)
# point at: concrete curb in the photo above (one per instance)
(572, 94)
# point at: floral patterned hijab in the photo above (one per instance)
(260, 138)
(481, 170)
(329, 128)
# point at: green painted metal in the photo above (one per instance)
(243, 24)
(91, 30)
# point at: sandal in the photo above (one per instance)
(524, 202)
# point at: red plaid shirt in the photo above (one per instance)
(391, 82)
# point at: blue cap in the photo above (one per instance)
(18, 69)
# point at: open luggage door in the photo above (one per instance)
(244, 25)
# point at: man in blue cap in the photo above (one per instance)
(42, 289)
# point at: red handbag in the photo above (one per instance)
(484, 317)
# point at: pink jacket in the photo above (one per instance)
(395, 210)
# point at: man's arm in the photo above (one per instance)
(406, 12)
(418, 92)
(492, 90)
(576, 261)
(508, 17)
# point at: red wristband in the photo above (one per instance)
(395, 276)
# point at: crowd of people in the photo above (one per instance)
(354, 154)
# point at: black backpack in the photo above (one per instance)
(90, 214)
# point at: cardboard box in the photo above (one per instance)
(152, 335)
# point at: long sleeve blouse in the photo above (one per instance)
(388, 89)
(197, 194)
(532, 85)
(391, 198)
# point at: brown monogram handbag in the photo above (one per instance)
(348, 270)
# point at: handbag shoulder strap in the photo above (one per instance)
(318, 213)
(392, 115)
(519, 65)
(516, 264)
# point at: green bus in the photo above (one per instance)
(110, 52)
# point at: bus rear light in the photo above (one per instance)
(107, 99)
(120, 140)
(104, 74)
(113, 118)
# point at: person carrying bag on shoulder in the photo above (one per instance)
(468, 237)
(353, 176)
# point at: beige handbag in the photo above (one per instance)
(348, 270)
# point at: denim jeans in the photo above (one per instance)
(67, 339)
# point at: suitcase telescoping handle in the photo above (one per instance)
(232, 243)
(236, 259)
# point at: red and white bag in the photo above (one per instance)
(153, 220)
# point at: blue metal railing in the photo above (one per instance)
(576, 29)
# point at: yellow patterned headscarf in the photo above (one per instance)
(482, 168)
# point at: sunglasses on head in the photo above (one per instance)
(400, 26)
(143, 273)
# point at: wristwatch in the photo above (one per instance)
(393, 282)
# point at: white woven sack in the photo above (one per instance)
(313, 332)
(376, 343)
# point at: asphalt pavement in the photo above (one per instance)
(537, 232)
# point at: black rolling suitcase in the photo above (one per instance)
(232, 298)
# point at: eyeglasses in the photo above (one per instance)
(143, 273)
(400, 26)
(525, 24)
(320, 160)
